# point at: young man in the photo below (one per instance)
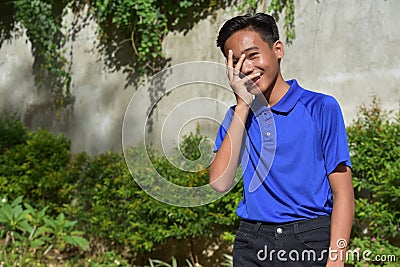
(298, 203)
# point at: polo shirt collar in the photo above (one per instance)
(285, 105)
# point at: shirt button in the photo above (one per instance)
(268, 133)
(279, 230)
(269, 121)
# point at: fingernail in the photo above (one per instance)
(230, 51)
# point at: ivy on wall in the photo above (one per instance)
(277, 7)
(43, 28)
(130, 32)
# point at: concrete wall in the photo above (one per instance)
(348, 49)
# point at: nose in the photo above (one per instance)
(247, 67)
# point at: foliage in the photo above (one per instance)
(35, 169)
(174, 263)
(43, 28)
(146, 22)
(190, 146)
(12, 131)
(373, 251)
(99, 197)
(277, 7)
(116, 212)
(131, 33)
(29, 235)
(106, 201)
(99, 193)
(159, 263)
(228, 261)
(191, 168)
(109, 259)
(374, 141)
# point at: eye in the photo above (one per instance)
(252, 55)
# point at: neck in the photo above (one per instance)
(277, 91)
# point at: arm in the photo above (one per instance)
(223, 167)
(342, 214)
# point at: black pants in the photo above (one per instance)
(303, 243)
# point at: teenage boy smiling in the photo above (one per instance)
(298, 194)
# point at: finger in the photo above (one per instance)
(226, 66)
(251, 76)
(239, 63)
(248, 80)
(230, 65)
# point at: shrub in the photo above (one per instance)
(100, 194)
(115, 212)
(374, 141)
(108, 258)
(35, 169)
(105, 199)
(12, 131)
(29, 236)
(372, 252)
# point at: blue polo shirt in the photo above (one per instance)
(287, 154)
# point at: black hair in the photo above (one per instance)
(263, 24)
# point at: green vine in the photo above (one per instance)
(141, 22)
(276, 7)
(146, 22)
(44, 32)
(131, 33)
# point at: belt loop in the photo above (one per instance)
(256, 229)
(296, 229)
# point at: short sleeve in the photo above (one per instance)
(223, 128)
(334, 137)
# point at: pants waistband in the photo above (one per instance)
(287, 228)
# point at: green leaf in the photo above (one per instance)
(37, 243)
(24, 226)
(77, 240)
(6, 214)
(17, 201)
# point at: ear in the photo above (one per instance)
(279, 49)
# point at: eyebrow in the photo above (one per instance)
(250, 48)
(247, 50)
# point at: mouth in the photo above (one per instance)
(256, 79)
(252, 85)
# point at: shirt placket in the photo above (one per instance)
(267, 127)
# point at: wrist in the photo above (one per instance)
(242, 106)
(242, 111)
(244, 99)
